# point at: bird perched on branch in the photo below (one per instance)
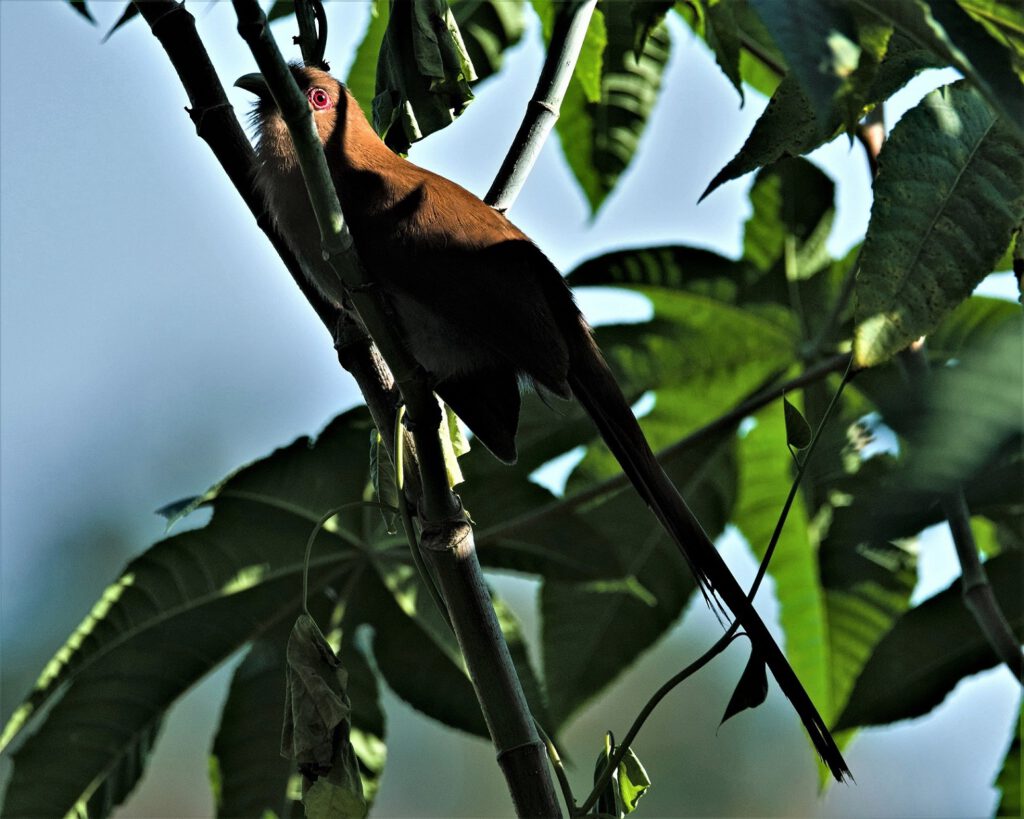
(482, 310)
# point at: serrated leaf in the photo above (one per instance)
(83, 9)
(949, 193)
(1009, 780)
(788, 126)
(930, 649)
(130, 11)
(423, 73)
(798, 431)
(742, 46)
(751, 690)
(819, 41)
(646, 15)
(944, 28)
(599, 139)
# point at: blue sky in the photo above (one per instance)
(151, 342)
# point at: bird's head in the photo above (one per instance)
(328, 99)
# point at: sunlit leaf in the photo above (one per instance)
(949, 193)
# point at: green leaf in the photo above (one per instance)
(789, 127)
(819, 41)
(633, 782)
(949, 193)
(1009, 779)
(81, 8)
(423, 73)
(972, 412)
(794, 208)
(944, 28)
(199, 596)
(765, 477)
(798, 431)
(489, 28)
(741, 44)
(362, 74)
(930, 649)
(646, 16)
(248, 774)
(599, 138)
(317, 722)
(1003, 19)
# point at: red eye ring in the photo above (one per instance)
(319, 99)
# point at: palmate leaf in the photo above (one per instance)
(949, 193)
(180, 609)
(599, 138)
(930, 649)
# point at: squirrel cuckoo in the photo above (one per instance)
(482, 310)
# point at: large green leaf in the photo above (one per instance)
(765, 477)
(930, 649)
(741, 44)
(943, 27)
(949, 193)
(789, 127)
(599, 138)
(362, 74)
(819, 41)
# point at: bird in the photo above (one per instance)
(484, 312)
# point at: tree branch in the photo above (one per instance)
(570, 30)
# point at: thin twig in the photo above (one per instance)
(570, 30)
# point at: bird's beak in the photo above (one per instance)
(255, 84)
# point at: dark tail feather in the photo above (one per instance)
(596, 389)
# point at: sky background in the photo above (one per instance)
(151, 342)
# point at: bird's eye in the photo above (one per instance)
(319, 99)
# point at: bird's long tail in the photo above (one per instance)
(596, 389)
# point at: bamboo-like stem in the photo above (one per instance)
(312, 39)
(447, 538)
(978, 596)
(977, 591)
(568, 34)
